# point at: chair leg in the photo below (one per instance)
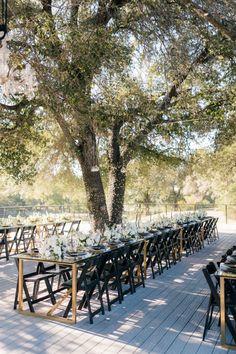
(152, 268)
(210, 318)
(132, 283)
(28, 299)
(120, 286)
(119, 290)
(206, 326)
(36, 290)
(49, 289)
(157, 260)
(142, 275)
(105, 287)
(89, 307)
(68, 308)
(16, 297)
(6, 248)
(100, 297)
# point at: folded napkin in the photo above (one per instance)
(231, 259)
(227, 267)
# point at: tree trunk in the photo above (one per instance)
(88, 159)
(117, 176)
(117, 180)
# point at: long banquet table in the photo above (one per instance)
(75, 262)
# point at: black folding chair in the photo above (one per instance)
(26, 237)
(11, 236)
(110, 278)
(211, 232)
(8, 241)
(136, 259)
(156, 253)
(74, 226)
(187, 239)
(167, 239)
(3, 245)
(175, 245)
(200, 234)
(59, 228)
(124, 270)
(56, 228)
(35, 279)
(87, 282)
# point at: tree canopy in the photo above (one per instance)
(115, 79)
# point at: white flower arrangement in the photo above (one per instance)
(93, 239)
(163, 222)
(107, 234)
(53, 247)
(129, 231)
(114, 233)
(200, 214)
(33, 219)
(142, 228)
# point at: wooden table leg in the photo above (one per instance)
(222, 310)
(145, 258)
(6, 245)
(181, 243)
(20, 285)
(223, 316)
(202, 236)
(74, 291)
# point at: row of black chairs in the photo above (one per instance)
(166, 246)
(14, 240)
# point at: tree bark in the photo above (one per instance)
(117, 176)
(88, 159)
(117, 179)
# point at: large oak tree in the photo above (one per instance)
(79, 48)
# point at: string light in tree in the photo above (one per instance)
(95, 168)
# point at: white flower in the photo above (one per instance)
(82, 236)
(89, 242)
(97, 238)
(47, 253)
(107, 233)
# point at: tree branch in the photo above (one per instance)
(105, 13)
(74, 12)
(66, 131)
(207, 17)
(163, 106)
(47, 6)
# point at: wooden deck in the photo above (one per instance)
(165, 317)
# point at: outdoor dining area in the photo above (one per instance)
(117, 177)
(70, 269)
(93, 275)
